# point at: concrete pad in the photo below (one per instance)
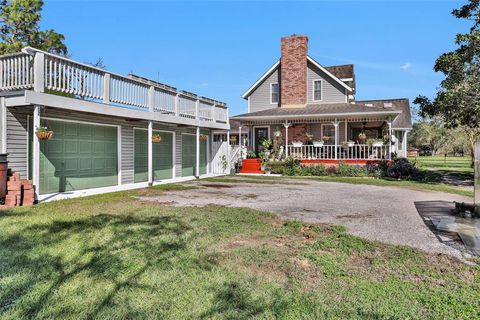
(386, 214)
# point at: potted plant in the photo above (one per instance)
(267, 145)
(43, 133)
(325, 139)
(362, 137)
(156, 138)
(251, 155)
(263, 157)
(318, 143)
(308, 136)
(297, 143)
(203, 137)
(375, 142)
(348, 143)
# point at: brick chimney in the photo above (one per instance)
(293, 73)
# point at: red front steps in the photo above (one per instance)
(251, 166)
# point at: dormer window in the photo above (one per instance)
(274, 93)
(317, 90)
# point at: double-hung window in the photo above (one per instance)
(317, 90)
(274, 93)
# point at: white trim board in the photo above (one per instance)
(262, 78)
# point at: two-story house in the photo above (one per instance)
(312, 109)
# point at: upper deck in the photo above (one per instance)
(37, 77)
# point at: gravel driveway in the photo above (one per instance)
(386, 214)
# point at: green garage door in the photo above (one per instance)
(79, 156)
(162, 156)
(188, 155)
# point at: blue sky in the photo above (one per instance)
(219, 48)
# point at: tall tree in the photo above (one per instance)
(19, 27)
(458, 98)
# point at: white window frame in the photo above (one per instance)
(271, 91)
(313, 90)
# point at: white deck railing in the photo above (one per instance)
(332, 152)
(16, 71)
(45, 72)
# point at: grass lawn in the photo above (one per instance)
(454, 164)
(112, 256)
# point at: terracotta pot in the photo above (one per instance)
(156, 139)
(44, 135)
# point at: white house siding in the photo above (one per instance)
(331, 91)
(17, 137)
(260, 97)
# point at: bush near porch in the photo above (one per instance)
(400, 168)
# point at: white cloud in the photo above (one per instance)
(406, 66)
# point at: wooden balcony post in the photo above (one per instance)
(39, 72)
(106, 88)
(175, 106)
(197, 110)
(151, 99)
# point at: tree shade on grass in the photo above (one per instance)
(113, 256)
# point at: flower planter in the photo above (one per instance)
(297, 144)
(350, 144)
(318, 143)
(377, 144)
(44, 135)
(156, 139)
(251, 166)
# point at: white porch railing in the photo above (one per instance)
(332, 152)
(45, 72)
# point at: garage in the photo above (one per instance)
(162, 156)
(189, 153)
(79, 156)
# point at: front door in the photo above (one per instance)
(260, 135)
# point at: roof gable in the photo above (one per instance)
(277, 64)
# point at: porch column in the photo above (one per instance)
(389, 123)
(228, 150)
(197, 152)
(240, 136)
(405, 143)
(150, 153)
(36, 151)
(286, 125)
(335, 124)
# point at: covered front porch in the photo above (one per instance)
(329, 139)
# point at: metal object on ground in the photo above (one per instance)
(3, 175)
(477, 179)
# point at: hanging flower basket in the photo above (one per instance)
(156, 138)
(43, 133)
(203, 137)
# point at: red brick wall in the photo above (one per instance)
(296, 132)
(293, 73)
